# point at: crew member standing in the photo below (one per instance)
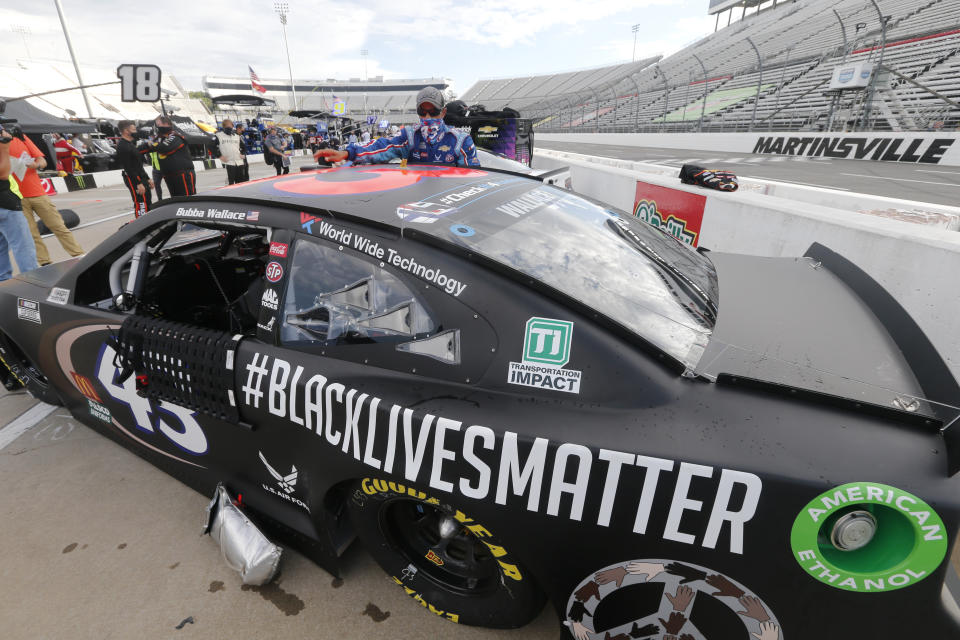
(35, 200)
(433, 142)
(242, 134)
(138, 184)
(176, 165)
(230, 152)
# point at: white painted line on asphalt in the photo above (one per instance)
(819, 187)
(27, 420)
(947, 173)
(93, 222)
(861, 175)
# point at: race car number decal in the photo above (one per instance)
(173, 421)
(648, 596)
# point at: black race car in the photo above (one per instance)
(513, 394)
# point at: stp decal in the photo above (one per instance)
(674, 211)
(647, 597)
(893, 538)
(274, 272)
(336, 182)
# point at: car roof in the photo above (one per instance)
(376, 192)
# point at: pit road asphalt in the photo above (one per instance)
(921, 183)
(99, 544)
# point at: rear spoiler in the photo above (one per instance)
(931, 371)
(559, 177)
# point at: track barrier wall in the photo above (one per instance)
(114, 178)
(917, 264)
(910, 147)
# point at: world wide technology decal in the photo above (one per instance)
(654, 598)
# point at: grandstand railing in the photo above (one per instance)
(799, 46)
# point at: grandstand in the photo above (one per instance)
(771, 70)
(389, 99)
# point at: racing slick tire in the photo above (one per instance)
(450, 563)
(21, 369)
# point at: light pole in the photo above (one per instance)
(282, 9)
(76, 67)
(706, 90)
(868, 107)
(634, 28)
(24, 32)
(666, 92)
(364, 53)
(756, 98)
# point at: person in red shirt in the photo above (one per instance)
(36, 201)
(67, 154)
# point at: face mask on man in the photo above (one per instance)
(430, 129)
(164, 130)
(228, 130)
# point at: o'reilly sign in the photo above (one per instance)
(883, 149)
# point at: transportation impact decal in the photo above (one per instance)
(646, 597)
(336, 182)
(673, 211)
(546, 349)
(560, 479)
(869, 538)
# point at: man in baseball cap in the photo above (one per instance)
(430, 143)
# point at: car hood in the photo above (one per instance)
(793, 322)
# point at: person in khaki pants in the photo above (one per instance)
(36, 202)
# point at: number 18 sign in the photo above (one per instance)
(139, 82)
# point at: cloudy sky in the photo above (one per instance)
(460, 40)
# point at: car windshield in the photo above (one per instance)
(645, 280)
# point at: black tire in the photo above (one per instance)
(28, 374)
(70, 220)
(470, 579)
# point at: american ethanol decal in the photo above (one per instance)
(909, 542)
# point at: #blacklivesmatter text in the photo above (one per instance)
(480, 463)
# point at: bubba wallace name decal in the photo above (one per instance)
(476, 462)
(857, 148)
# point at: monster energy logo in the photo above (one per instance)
(80, 182)
(647, 211)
